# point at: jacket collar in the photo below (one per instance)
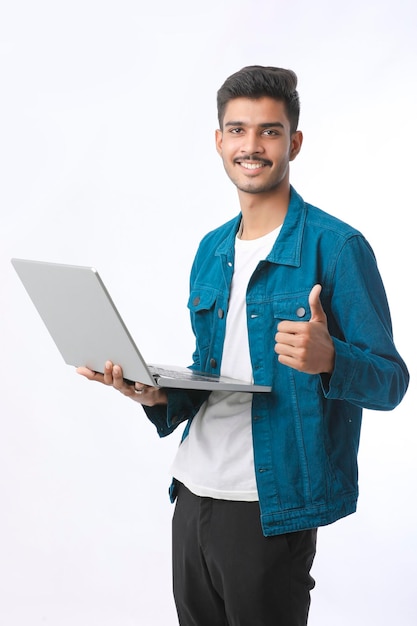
(287, 247)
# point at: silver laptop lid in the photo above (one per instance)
(81, 317)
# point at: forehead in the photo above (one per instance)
(254, 111)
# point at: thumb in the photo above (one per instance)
(317, 312)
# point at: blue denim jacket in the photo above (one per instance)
(306, 431)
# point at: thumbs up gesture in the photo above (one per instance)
(307, 346)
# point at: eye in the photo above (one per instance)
(236, 131)
(270, 132)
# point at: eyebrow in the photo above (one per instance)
(263, 125)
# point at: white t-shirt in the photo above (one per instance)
(216, 458)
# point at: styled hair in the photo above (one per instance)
(257, 81)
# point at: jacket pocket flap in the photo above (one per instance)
(294, 308)
(201, 299)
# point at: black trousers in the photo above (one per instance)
(227, 573)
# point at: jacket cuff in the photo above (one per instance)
(182, 405)
(335, 386)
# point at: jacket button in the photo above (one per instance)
(196, 300)
(220, 313)
(300, 312)
(213, 363)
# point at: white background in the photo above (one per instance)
(107, 113)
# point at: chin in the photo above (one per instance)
(253, 189)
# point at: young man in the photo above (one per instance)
(286, 295)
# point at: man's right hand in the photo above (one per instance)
(113, 377)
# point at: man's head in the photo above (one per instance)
(255, 82)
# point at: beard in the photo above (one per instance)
(253, 186)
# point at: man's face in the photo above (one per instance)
(256, 144)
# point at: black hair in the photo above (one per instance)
(257, 81)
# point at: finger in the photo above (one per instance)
(317, 312)
(289, 339)
(127, 388)
(141, 393)
(283, 349)
(118, 381)
(108, 373)
(90, 374)
(139, 390)
(290, 328)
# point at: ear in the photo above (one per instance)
(296, 143)
(219, 141)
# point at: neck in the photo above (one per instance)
(262, 213)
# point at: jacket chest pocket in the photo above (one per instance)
(294, 308)
(204, 312)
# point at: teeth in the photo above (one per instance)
(251, 166)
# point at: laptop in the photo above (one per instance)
(88, 330)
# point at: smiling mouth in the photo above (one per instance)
(252, 164)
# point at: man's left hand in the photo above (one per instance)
(307, 346)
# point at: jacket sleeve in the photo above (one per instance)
(368, 372)
(182, 405)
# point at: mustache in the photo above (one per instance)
(253, 157)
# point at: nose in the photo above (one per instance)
(252, 143)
